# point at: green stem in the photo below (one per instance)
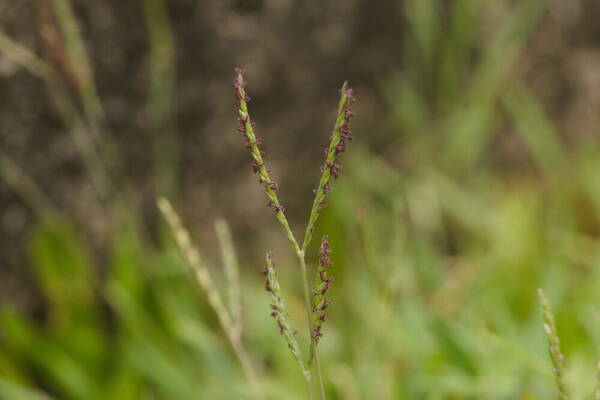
(247, 366)
(308, 304)
(308, 384)
(318, 366)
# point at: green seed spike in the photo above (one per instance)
(320, 300)
(558, 360)
(246, 127)
(279, 312)
(339, 137)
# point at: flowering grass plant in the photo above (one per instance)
(316, 300)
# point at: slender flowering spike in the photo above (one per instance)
(252, 143)
(318, 304)
(320, 301)
(558, 360)
(278, 311)
(337, 145)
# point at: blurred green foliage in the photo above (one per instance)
(437, 252)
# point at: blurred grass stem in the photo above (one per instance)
(192, 257)
(232, 274)
(558, 359)
(22, 183)
(86, 87)
(66, 108)
(160, 96)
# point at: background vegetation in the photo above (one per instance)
(472, 181)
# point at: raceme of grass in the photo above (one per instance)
(329, 172)
(556, 356)
(558, 359)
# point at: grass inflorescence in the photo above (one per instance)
(330, 170)
(320, 300)
(556, 355)
(558, 359)
(315, 299)
(278, 309)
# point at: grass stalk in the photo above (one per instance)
(308, 306)
(194, 260)
(558, 359)
(161, 96)
(86, 87)
(313, 356)
(232, 274)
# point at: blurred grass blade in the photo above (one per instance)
(160, 96)
(13, 391)
(126, 267)
(472, 126)
(70, 372)
(65, 106)
(456, 50)
(82, 68)
(232, 273)
(193, 259)
(536, 129)
(423, 19)
(192, 256)
(23, 57)
(65, 274)
(22, 183)
(162, 369)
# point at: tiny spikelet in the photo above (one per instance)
(330, 170)
(320, 300)
(278, 310)
(252, 143)
(558, 362)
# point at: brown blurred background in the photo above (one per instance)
(297, 55)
